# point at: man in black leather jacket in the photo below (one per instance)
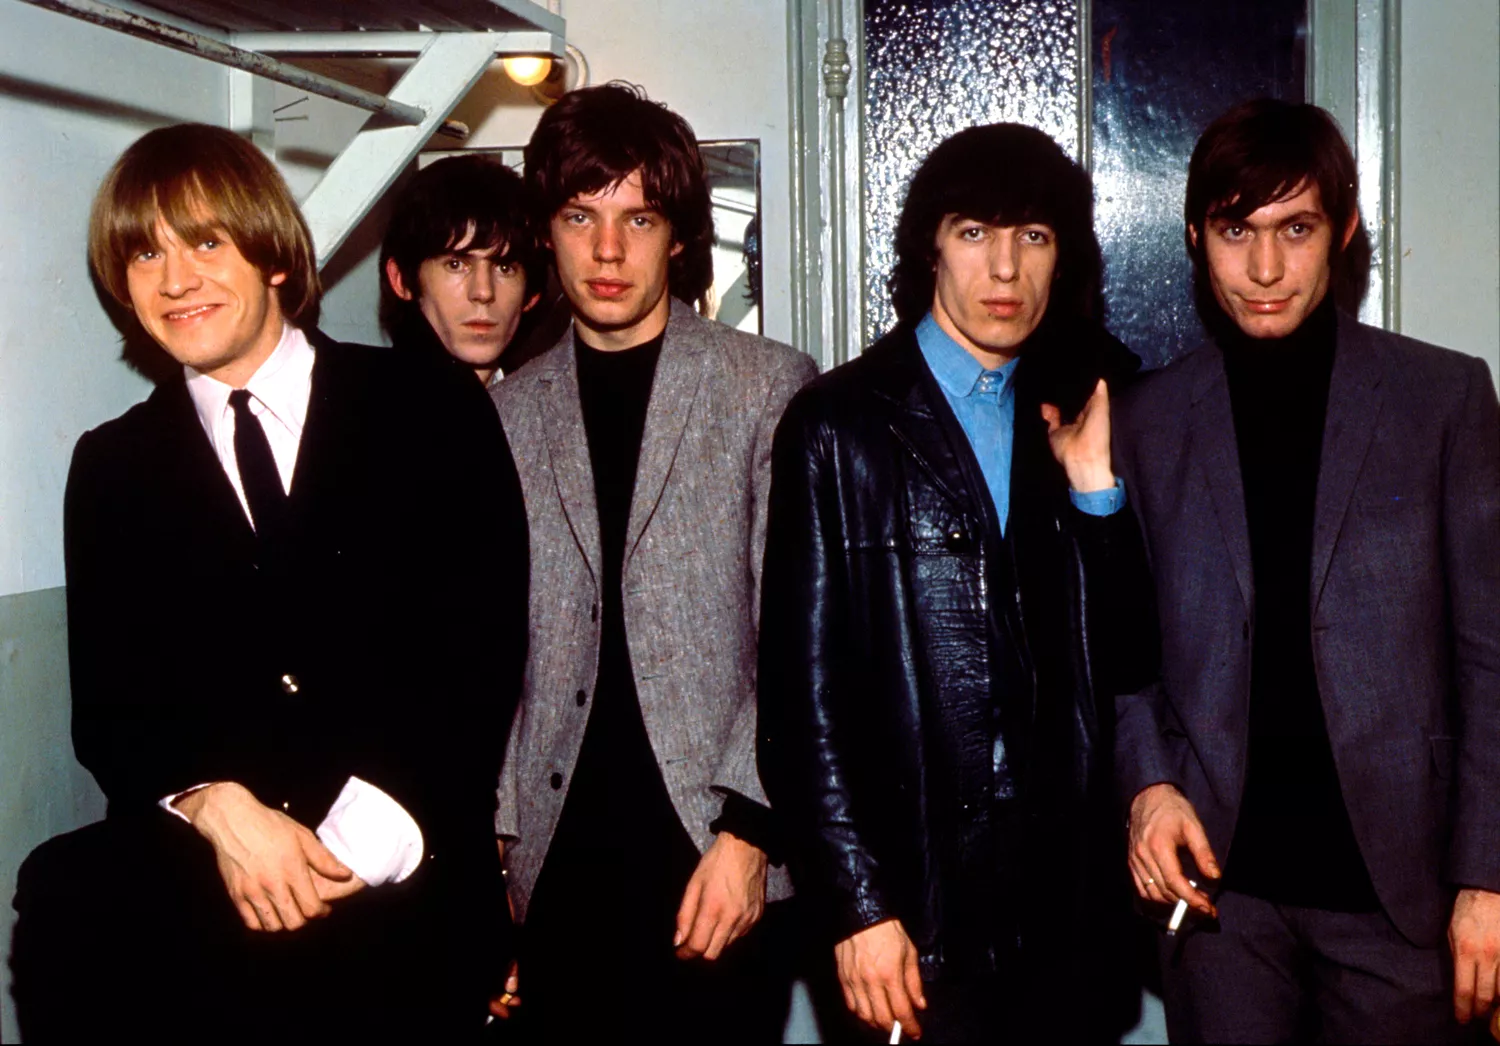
(946, 565)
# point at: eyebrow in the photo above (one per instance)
(1302, 217)
(573, 205)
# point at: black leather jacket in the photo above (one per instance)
(895, 620)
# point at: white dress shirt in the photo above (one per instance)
(365, 828)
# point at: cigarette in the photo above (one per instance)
(895, 1032)
(1175, 923)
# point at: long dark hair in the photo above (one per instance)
(1000, 174)
(595, 137)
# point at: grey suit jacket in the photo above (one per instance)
(1405, 600)
(692, 569)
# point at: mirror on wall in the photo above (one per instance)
(734, 187)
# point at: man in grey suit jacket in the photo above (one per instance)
(631, 815)
(1321, 504)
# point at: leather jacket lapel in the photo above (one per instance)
(1354, 399)
(919, 423)
(1213, 441)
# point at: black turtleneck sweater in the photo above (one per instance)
(1293, 843)
(618, 826)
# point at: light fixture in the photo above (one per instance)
(527, 69)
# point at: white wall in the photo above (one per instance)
(1450, 174)
(72, 97)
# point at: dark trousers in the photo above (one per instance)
(601, 987)
(1274, 973)
(125, 927)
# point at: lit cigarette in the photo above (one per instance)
(896, 1032)
(1175, 923)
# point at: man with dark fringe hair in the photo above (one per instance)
(272, 642)
(1313, 776)
(591, 140)
(459, 266)
(953, 591)
(632, 820)
(1006, 174)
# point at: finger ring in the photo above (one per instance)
(506, 998)
(1150, 881)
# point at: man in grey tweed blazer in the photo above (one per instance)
(631, 817)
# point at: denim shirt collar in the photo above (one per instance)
(955, 370)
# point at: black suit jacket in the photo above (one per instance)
(384, 640)
(1405, 602)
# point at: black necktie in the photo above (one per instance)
(258, 473)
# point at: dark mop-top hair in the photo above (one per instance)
(1000, 174)
(596, 137)
(1263, 151)
(476, 201)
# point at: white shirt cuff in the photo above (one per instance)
(372, 834)
(166, 802)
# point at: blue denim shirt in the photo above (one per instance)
(984, 402)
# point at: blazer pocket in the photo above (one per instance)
(1443, 756)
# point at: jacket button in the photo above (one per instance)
(580, 698)
(289, 684)
(556, 781)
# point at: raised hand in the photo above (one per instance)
(1082, 446)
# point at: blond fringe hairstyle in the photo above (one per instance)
(204, 183)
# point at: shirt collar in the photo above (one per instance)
(955, 370)
(282, 385)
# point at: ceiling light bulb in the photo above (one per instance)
(527, 69)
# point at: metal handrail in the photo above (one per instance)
(234, 57)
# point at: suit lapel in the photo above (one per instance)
(324, 432)
(674, 391)
(198, 481)
(568, 450)
(1354, 399)
(1213, 443)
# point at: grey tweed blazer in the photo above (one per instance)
(692, 571)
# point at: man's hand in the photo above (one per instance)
(1161, 821)
(1082, 448)
(723, 900)
(278, 873)
(505, 1004)
(1474, 936)
(878, 972)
